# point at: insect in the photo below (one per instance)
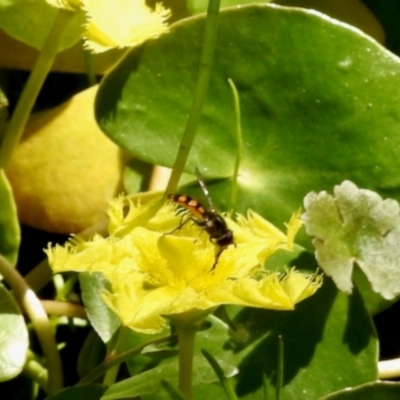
(212, 222)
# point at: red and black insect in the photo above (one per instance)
(212, 222)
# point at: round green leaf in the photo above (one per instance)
(10, 234)
(31, 21)
(319, 104)
(14, 337)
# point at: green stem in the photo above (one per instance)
(64, 309)
(109, 363)
(36, 371)
(111, 374)
(3, 112)
(39, 276)
(239, 143)
(89, 65)
(31, 90)
(224, 381)
(203, 80)
(31, 304)
(173, 393)
(186, 336)
(68, 285)
(279, 369)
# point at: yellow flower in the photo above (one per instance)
(118, 23)
(156, 275)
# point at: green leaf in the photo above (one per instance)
(31, 21)
(83, 392)
(319, 105)
(10, 234)
(91, 355)
(150, 381)
(14, 338)
(329, 344)
(149, 356)
(3, 111)
(370, 391)
(103, 320)
(173, 393)
(356, 225)
(373, 301)
(137, 175)
(224, 381)
(200, 392)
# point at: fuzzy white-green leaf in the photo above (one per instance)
(356, 226)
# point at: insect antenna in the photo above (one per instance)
(204, 189)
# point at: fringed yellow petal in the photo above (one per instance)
(138, 315)
(299, 286)
(293, 227)
(122, 23)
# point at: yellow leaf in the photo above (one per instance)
(65, 169)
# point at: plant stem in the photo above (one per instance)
(31, 90)
(111, 374)
(109, 363)
(186, 336)
(203, 80)
(39, 276)
(239, 143)
(90, 72)
(64, 309)
(279, 368)
(31, 304)
(66, 288)
(36, 371)
(223, 380)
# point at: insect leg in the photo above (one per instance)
(184, 220)
(218, 252)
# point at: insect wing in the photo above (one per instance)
(204, 188)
